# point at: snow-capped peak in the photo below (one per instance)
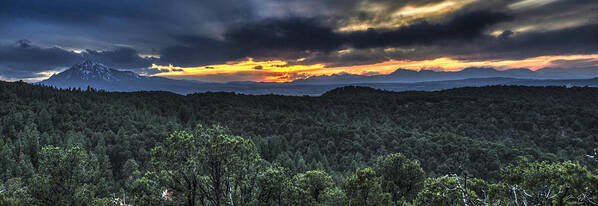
(93, 70)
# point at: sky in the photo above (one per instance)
(285, 40)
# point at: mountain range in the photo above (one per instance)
(99, 76)
(411, 76)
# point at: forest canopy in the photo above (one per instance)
(499, 145)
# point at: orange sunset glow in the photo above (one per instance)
(280, 71)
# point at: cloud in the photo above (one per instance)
(274, 38)
(543, 15)
(295, 38)
(574, 40)
(463, 27)
(158, 70)
(575, 63)
(195, 51)
(294, 34)
(125, 58)
(198, 33)
(509, 46)
(257, 75)
(102, 25)
(394, 14)
(462, 40)
(527, 4)
(22, 59)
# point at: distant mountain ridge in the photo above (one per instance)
(95, 71)
(99, 76)
(411, 76)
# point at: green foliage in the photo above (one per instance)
(364, 188)
(401, 177)
(230, 162)
(177, 167)
(525, 183)
(272, 183)
(547, 183)
(74, 147)
(309, 188)
(65, 177)
(446, 190)
(14, 192)
(103, 202)
(145, 192)
(207, 165)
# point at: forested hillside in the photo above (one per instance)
(499, 145)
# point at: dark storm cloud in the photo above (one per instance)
(541, 15)
(295, 34)
(23, 59)
(574, 40)
(338, 11)
(507, 46)
(273, 38)
(569, 41)
(194, 33)
(101, 25)
(296, 37)
(461, 28)
(196, 50)
(96, 11)
(126, 58)
(268, 38)
(70, 12)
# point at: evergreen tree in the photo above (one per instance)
(208, 165)
(65, 177)
(309, 188)
(364, 188)
(401, 177)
